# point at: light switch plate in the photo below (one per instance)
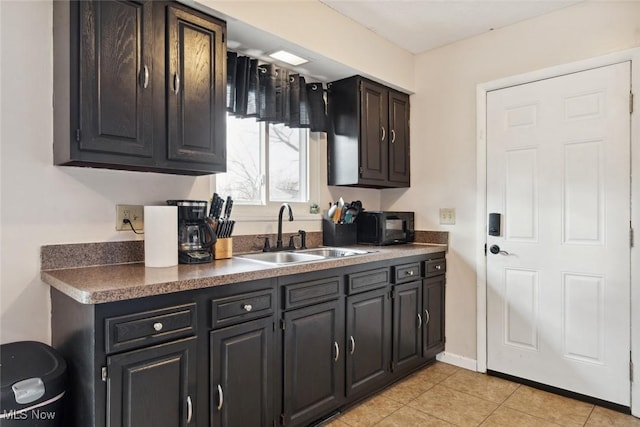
(447, 216)
(134, 213)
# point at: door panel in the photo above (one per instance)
(558, 156)
(151, 386)
(583, 310)
(433, 290)
(407, 325)
(521, 308)
(583, 208)
(241, 369)
(195, 90)
(374, 159)
(369, 340)
(313, 361)
(521, 210)
(115, 100)
(399, 170)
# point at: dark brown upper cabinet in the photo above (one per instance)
(139, 85)
(368, 143)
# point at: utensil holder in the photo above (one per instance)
(339, 234)
(223, 248)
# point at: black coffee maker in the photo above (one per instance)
(195, 235)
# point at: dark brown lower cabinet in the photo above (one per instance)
(242, 374)
(313, 354)
(288, 351)
(433, 305)
(368, 354)
(154, 386)
(407, 326)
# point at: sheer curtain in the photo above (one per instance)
(273, 94)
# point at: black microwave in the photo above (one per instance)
(385, 228)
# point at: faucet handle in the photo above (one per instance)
(267, 245)
(292, 243)
(303, 239)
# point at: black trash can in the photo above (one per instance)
(33, 377)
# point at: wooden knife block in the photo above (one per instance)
(223, 248)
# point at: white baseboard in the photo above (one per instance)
(456, 360)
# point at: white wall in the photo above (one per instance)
(43, 204)
(443, 145)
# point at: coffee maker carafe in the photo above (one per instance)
(195, 235)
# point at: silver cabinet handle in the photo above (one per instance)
(427, 317)
(158, 326)
(220, 398)
(247, 307)
(337, 349)
(189, 409)
(438, 267)
(410, 273)
(393, 136)
(353, 344)
(145, 77)
(176, 83)
(384, 134)
(419, 321)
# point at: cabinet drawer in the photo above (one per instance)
(406, 272)
(435, 267)
(305, 293)
(242, 307)
(149, 327)
(367, 280)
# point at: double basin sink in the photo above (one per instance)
(303, 255)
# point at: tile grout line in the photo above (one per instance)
(593, 408)
(499, 405)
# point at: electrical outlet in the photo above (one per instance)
(447, 216)
(134, 213)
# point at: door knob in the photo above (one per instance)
(495, 249)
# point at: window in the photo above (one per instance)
(266, 164)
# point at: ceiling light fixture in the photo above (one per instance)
(288, 57)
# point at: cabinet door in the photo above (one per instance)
(407, 325)
(368, 344)
(152, 387)
(374, 157)
(433, 304)
(399, 139)
(313, 361)
(196, 84)
(241, 374)
(115, 89)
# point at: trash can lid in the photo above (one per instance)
(25, 360)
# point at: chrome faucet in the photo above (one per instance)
(282, 208)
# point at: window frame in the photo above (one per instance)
(268, 211)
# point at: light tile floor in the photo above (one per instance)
(445, 395)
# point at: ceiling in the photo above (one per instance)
(414, 25)
(421, 25)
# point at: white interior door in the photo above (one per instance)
(558, 172)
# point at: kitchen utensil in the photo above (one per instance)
(331, 211)
(214, 200)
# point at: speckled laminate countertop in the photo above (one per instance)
(102, 284)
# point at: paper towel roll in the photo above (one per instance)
(160, 236)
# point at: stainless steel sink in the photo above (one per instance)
(282, 257)
(330, 252)
(300, 256)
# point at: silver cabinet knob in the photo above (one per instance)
(438, 267)
(158, 326)
(247, 307)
